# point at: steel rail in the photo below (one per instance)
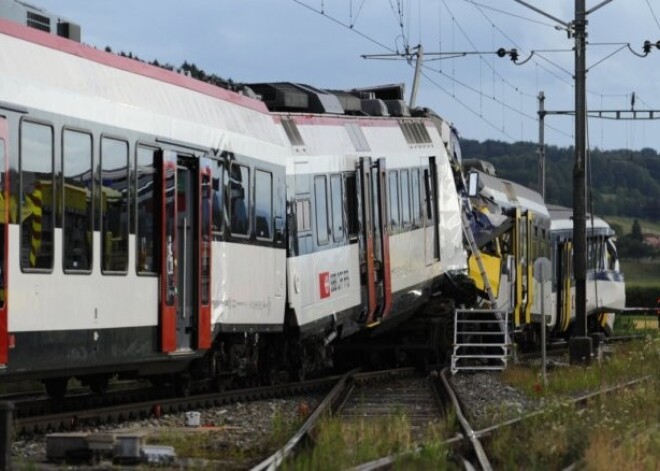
(467, 428)
(277, 458)
(576, 401)
(71, 419)
(335, 400)
(388, 461)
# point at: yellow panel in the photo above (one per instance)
(493, 267)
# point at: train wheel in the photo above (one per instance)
(56, 387)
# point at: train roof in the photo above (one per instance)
(52, 74)
(562, 221)
(375, 101)
(507, 194)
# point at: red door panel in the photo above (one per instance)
(168, 281)
(204, 253)
(4, 216)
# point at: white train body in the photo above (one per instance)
(150, 217)
(531, 231)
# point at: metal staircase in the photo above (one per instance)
(481, 336)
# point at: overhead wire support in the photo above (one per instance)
(580, 346)
(419, 54)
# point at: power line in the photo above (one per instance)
(344, 25)
(487, 7)
(500, 76)
(492, 98)
(653, 13)
(465, 105)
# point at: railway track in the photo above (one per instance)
(363, 397)
(109, 413)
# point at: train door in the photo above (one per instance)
(564, 270)
(375, 235)
(4, 215)
(186, 253)
(431, 228)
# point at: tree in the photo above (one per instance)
(636, 232)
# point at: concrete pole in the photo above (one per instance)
(541, 169)
(580, 345)
(418, 71)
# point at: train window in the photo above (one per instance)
(263, 204)
(416, 206)
(321, 197)
(394, 198)
(147, 186)
(544, 241)
(114, 205)
(337, 208)
(36, 163)
(353, 223)
(303, 215)
(428, 196)
(218, 184)
(77, 214)
(405, 199)
(239, 199)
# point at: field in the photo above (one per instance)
(626, 224)
(641, 273)
(617, 431)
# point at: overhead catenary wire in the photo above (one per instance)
(514, 15)
(452, 77)
(400, 12)
(648, 3)
(474, 47)
(492, 98)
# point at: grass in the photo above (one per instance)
(615, 431)
(641, 273)
(340, 445)
(221, 445)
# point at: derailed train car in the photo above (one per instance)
(156, 226)
(515, 228)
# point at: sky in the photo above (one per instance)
(320, 42)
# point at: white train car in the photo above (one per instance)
(605, 286)
(518, 230)
(153, 224)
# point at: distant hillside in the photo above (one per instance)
(623, 183)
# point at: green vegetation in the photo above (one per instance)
(624, 183)
(623, 225)
(615, 431)
(340, 445)
(642, 273)
(227, 444)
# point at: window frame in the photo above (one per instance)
(326, 241)
(394, 224)
(92, 199)
(114, 137)
(248, 203)
(158, 193)
(51, 126)
(417, 217)
(405, 224)
(340, 208)
(271, 216)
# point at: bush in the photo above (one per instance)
(642, 296)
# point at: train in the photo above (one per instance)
(155, 226)
(516, 230)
